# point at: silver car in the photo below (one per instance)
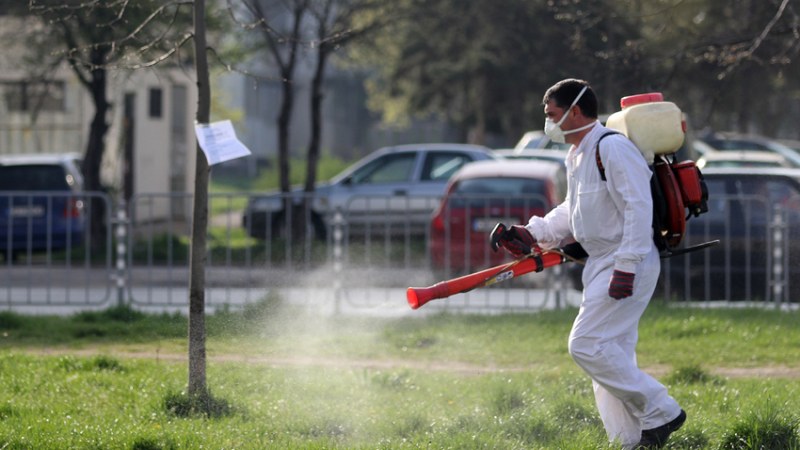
(394, 187)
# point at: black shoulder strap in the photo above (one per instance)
(597, 155)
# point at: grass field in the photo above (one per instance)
(288, 378)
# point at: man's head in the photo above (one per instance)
(570, 109)
(564, 92)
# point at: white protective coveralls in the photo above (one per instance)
(612, 220)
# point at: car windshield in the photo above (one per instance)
(439, 166)
(479, 192)
(387, 169)
(34, 177)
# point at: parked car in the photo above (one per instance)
(395, 187)
(537, 139)
(725, 141)
(742, 158)
(482, 194)
(755, 213)
(793, 144)
(540, 154)
(41, 208)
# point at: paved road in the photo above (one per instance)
(374, 292)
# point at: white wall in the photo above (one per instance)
(164, 150)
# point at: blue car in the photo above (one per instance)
(41, 204)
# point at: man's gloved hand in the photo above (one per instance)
(621, 285)
(516, 239)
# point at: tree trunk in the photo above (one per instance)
(314, 143)
(316, 118)
(197, 331)
(284, 119)
(94, 148)
(292, 215)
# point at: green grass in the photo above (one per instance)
(327, 167)
(288, 378)
(233, 246)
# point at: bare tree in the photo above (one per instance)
(334, 28)
(283, 45)
(94, 37)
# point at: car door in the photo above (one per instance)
(375, 193)
(399, 190)
(436, 169)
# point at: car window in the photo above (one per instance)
(505, 191)
(561, 185)
(34, 177)
(392, 168)
(775, 192)
(557, 146)
(718, 200)
(439, 166)
(736, 144)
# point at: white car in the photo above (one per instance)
(727, 141)
(537, 139)
(539, 154)
(742, 158)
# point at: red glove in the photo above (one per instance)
(517, 240)
(621, 285)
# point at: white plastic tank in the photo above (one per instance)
(655, 126)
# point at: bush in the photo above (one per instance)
(692, 375)
(10, 320)
(182, 404)
(768, 430)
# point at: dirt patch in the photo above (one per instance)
(394, 364)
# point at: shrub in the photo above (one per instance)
(182, 404)
(763, 430)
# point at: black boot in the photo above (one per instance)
(657, 437)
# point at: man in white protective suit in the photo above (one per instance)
(612, 220)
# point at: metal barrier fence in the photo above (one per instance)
(48, 259)
(358, 265)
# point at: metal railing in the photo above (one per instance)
(142, 258)
(48, 257)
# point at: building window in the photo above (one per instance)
(27, 96)
(156, 101)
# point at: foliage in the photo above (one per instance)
(120, 33)
(475, 68)
(489, 64)
(710, 55)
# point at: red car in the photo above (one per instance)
(482, 194)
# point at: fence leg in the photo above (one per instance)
(338, 252)
(121, 231)
(780, 277)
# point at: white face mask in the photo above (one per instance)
(553, 130)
